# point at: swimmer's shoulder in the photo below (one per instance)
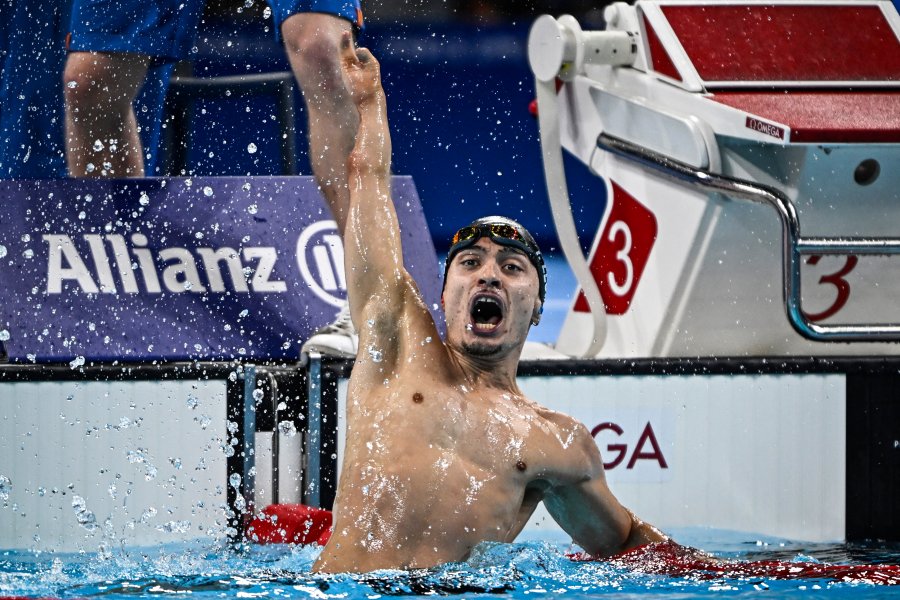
(571, 438)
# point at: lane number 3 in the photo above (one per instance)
(841, 285)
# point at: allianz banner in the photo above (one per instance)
(214, 268)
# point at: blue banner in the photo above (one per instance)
(213, 268)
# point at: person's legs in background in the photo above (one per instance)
(312, 33)
(111, 47)
(101, 128)
(312, 44)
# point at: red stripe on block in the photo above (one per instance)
(817, 117)
(660, 61)
(796, 42)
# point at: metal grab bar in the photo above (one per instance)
(792, 247)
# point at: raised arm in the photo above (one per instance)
(373, 258)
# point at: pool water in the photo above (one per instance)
(531, 569)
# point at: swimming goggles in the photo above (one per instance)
(505, 232)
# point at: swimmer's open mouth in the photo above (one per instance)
(486, 312)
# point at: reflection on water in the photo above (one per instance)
(521, 570)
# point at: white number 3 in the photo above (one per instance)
(621, 289)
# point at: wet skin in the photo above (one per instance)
(443, 451)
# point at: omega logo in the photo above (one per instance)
(320, 258)
(646, 448)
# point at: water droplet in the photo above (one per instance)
(267, 12)
(77, 362)
(148, 514)
(144, 200)
(98, 146)
(4, 335)
(5, 487)
(72, 84)
(252, 209)
(2, 250)
(251, 148)
(192, 402)
(287, 428)
(84, 517)
(246, 187)
(375, 353)
(175, 527)
(207, 191)
(235, 480)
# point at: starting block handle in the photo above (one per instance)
(561, 209)
(793, 244)
(559, 48)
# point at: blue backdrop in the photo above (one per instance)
(458, 99)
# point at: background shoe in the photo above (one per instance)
(336, 339)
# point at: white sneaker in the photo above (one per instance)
(337, 339)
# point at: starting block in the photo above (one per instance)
(720, 128)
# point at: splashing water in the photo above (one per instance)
(520, 571)
(287, 428)
(84, 517)
(375, 354)
(5, 488)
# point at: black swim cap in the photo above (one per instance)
(505, 232)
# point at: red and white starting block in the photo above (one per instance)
(720, 128)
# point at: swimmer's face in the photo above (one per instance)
(490, 298)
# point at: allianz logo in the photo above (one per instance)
(113, 264)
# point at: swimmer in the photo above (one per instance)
(443, 449)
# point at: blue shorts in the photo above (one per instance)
(165, 29)
(31, 109)
(346, 9)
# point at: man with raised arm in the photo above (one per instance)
(443, 449)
